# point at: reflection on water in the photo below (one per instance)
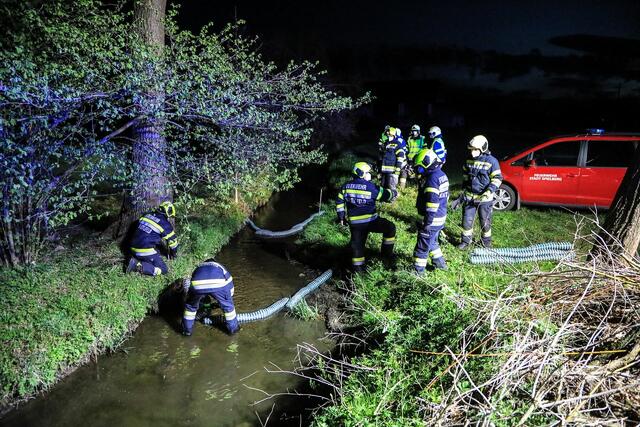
(161, 378)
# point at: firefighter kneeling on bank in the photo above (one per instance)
(433, 194)
(153, 229)
(356, 203)
(213, 279)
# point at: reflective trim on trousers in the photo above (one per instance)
(357, 261)
(438, 221)
(230, 315)
(388, 240)
(143, 251)
(435, 254)
(420, 262)
(486, 233)
(467, 232)
(189, 315)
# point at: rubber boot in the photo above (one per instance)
(134, 266)
(463, 245)
(440, 264)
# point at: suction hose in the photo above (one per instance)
(276, 306)
(268, 234)
(261, 314)
(540, 252)
(312, 286)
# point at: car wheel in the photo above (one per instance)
(504, 199)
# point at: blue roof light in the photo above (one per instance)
(595, 131)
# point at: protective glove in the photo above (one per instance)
(341, 222)
(457, 202)
(173, 253)
(487, 196)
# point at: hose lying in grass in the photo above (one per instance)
(268, 234)
(540, 252)
(274, 308)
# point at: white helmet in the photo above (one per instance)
(479, 142)
(415, 128)
(434, 131)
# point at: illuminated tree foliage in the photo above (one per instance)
(73, 80)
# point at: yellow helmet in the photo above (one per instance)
(391, 131)
(361, 168)
(426, 158)
(168, 209)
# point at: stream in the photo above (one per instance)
(160, 378)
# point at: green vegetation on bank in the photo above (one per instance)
(412, 322)
(78, 302)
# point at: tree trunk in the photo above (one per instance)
(621, 232)
(151, 185)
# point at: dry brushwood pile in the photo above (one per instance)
(568, 342)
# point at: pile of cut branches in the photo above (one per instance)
(568, 346)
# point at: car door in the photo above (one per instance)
(551, 174)
(606, 163)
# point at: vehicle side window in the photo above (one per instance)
(521, 160)
(559, 154)
(610, 154)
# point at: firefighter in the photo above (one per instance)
(382, 142)
(210, 278)
(415, 143)
(393, 159)
(153, 228)
(482, 177)
(433, 193)
(356, 203)
(436, 143)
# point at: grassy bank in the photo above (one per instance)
(415, 326)
(78, 302)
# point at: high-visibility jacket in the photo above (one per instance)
(153, 228)
(357, 199)
(437, 145)
(414, 145)
(433, 194)
(482, 177)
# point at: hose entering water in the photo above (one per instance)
(274, 308)
(540, 252)
(268, 234)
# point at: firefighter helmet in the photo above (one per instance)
(427, 159)
(479, 142)
(434, 131)
(360, 169)
(168, 209)
(415, 128)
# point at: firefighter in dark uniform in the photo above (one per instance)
(210, 278)
(153, 229)
(393, 159)
(356, 203)
(482, 177)
(433, 194)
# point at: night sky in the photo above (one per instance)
(533, 50)
(506, 26)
